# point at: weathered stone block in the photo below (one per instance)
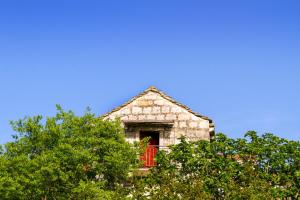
(171, 117)
(175, 124)
(142, 117)
(182, 124)
(193, 124)
(159, 102)
(183, 116)
(147, 110)
(125, 111)
(144, 103)
(176, 110)
(165, 109)
(150, 117)
(134, 103)
(160, 117)
(203, 124)
(151, 96)
(179, 133)
(193, 117)
(132, 117)
(156, 110)
(136, 110)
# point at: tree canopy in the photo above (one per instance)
(255, 167)
(86, 157)
(65, 157)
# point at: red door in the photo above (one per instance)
(151, 149)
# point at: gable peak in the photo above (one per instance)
(163, 95)
(152, 88)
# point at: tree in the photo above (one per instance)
(86, 157)
(255, 167)
(64, 156)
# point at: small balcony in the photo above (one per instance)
(148, 157)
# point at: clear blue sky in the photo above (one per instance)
(237, 62)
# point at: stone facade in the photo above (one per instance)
(153, 110)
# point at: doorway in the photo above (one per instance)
(152, 148)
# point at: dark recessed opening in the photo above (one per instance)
(154, 136)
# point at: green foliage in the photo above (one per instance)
(71, 157)
(255, 167)
(92, 190)
(66, 157)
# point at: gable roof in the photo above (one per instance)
(162, 94)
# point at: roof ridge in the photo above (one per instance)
(152, 87)
(165, 96)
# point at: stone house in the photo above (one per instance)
(156, 115)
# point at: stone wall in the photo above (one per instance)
(153, 107)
